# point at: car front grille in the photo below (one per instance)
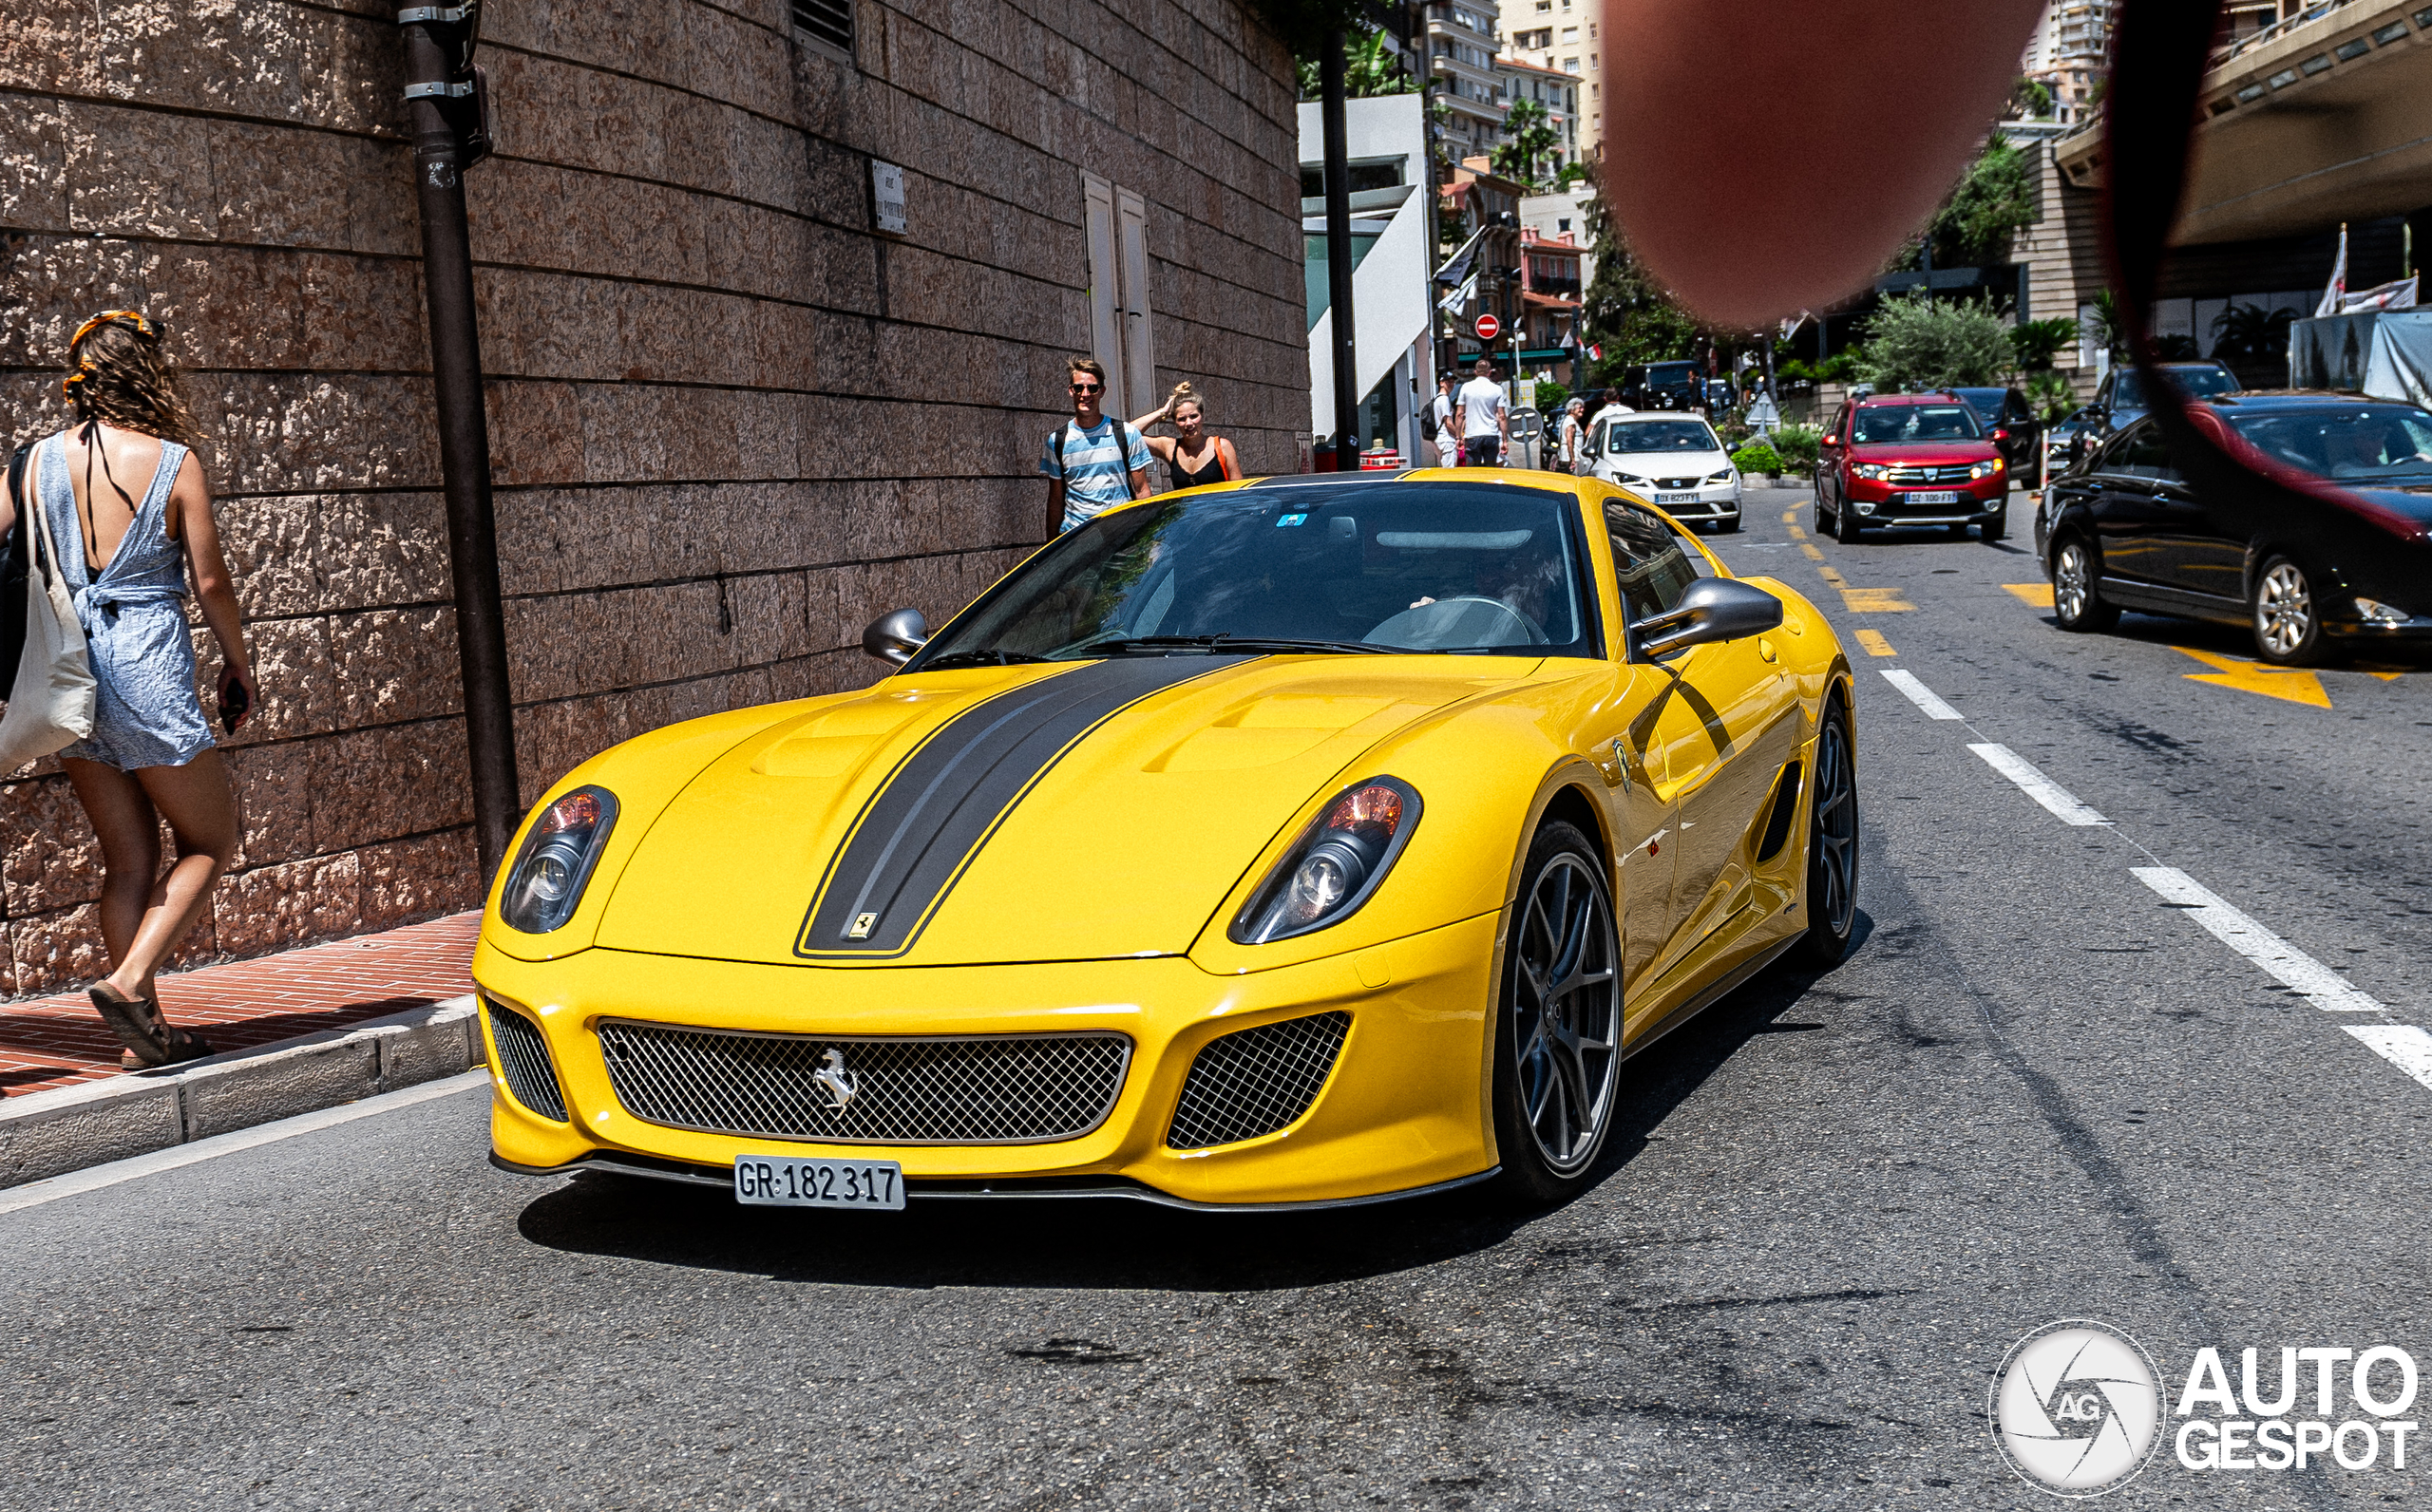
(523, 1060)
(971, 1089)
(1676, 483)
(1954, 474)
(1256, 1080)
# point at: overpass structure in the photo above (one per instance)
(2326, 117)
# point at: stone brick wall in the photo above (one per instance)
(730, 424)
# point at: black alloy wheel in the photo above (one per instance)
(1831, 842)
(1846, 528)
(1558, 1031)
(2077, 600)
(2286, 614)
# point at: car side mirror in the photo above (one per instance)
(1712, 609)
(896, 636)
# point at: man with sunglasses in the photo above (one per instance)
(1094, 461)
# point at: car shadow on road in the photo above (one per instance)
(1118, 1245)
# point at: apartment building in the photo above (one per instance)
(1461, 41)
(2069, 53)
(1555, 90)
(1560, 36)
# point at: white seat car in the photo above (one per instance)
(1675, 461)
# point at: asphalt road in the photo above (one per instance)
(2038, 1089)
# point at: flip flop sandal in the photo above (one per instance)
(134, 1020)
(182, 1045)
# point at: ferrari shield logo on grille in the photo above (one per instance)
(835, 1080)
(861, 927)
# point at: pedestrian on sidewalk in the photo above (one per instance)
(1575, 420)
(1439, 427)
(1093, 461)
(124, 484)
(1192, 457)
(1482, 419)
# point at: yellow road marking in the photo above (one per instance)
(1797, 534)
(2289, 684)
(2040, 595)
(1873, 601)
(1809, 547)
(1874, 643)
(2383, 672)
(1790, 516)
(1831, 576)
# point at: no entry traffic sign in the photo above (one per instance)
(1488, 328)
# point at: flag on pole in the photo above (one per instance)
(2398, 295)
(1792, 323)
(2335, 296)
(1595, 352)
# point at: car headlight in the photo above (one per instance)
(1985, 469)
(1335, 866)
(1869, 469)
(559, 850)
(1723, 476)
(1634, 479)
(2374, 611)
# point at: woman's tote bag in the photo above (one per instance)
(50, 704)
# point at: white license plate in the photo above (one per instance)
(789, 1180)
(1940, 496)
(1678, 499)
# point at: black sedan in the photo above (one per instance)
(2119, 399)
(2016, 431)
(2125, 530)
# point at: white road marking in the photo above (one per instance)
(1920, 694)
(2063, 805)
(2404, 1045)
(2292, 968)
(33, 1194)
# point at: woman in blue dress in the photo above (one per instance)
(130, 513)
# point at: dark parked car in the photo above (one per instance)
(2126, 530)
(1909, 460)
(2017, 434)
(2119, 399)
(1662, 386)
(2060, 442)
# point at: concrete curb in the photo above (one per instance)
(50, 1133)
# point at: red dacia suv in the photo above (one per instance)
(1909, 460)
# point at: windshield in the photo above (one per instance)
(2378, 441)
(1670, 373)
(1986, 402)
(1659, 435)
(1897, 425)
(1387, 566)
(2128, 390)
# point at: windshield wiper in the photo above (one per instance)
(1223, 641)
(979, 658)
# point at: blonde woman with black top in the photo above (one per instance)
(125, 497)
(1192, 457)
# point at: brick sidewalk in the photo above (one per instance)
(54, 1041)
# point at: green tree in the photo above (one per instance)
(1370, 68)
(2252, 333)
(1914, 345)
(1533, 138)
(1993, 200)
(2034, 341)
(2051, 393)
(1627, 312)
(2030, 100)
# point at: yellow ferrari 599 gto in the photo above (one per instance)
(1307, 840)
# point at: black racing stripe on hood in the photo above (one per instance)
(934, 811)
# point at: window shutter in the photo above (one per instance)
(1106, 281)
(1139, 354)
(828, 21)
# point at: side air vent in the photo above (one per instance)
(524, 1059)
(829, 21)
(1256, 1081)
(1778, 820)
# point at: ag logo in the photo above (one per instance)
(2077, 1409)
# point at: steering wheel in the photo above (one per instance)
(1457, 624)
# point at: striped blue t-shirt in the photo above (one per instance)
(1094, 464)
